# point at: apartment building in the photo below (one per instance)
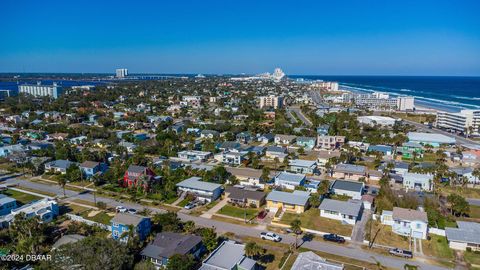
(271, 102)
(330, 142)
(39, 90)
(467, 121)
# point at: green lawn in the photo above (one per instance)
(101, 217)
(474, 211)
(311, 220)
(22, 198)
(438, 247)
(472, 258)
(183, 202)
(238, 212)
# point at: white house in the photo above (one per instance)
(303, 166)
(346, 211)
(233, 158)
(418, 181)
(205, 191)
(407, 222)
(192, 155)
(46, 209)
(289, 180)
(467, 235)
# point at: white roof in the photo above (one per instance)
(311, 261)
(430, 137)
(302, 163)
(197, 183)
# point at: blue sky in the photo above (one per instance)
(303, 37)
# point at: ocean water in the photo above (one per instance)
(442, 93)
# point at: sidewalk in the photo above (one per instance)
(214, 209)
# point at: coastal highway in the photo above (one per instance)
(300, 115)
(350, 251)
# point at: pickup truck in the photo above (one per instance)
(270, 236)
(333, 238)
(401, 253)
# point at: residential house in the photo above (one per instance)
(276, 152)
(45, 209)
(5, 151)
(59, 166)
(330, 142)
(209, 134)
(90, 168)
(351, 189)
(346, 211)
(122, 222)
(266, 138)
(350, 171)
(322, 130)
(7, 204)
(78, 140)
(244, 137)
(128, 145)
(467, 235)
(409, 150)
(139, 176)
(167, 244)
(289, 180)
(303, 166)
(244, 196)
(418, 181)
(466, 172)
(308, 260)
(204, 191)
(234, 158)
(325, 155)
(229, 146)
(406, 222)
(192, 155)
(229, 255)
(307, 142)
(297, 201)
(285, 139)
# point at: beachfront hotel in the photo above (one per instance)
(39, 90)
(380, 101)
(467, 121)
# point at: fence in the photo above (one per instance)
(88, 222)
(437, 231)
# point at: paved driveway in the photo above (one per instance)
(358, 232)
(215, 209)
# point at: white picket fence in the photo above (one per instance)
(88, 222)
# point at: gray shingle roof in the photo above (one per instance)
(351, 208)
(290, 177)
(348, 185)
(167, 244)
(409, 214)
(295, 198)
(467, 232)
(350, 168)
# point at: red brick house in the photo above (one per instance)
(138, 175)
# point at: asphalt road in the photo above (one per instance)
(302, 117)
(350, 251)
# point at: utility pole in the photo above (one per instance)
(244, 206)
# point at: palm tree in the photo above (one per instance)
(253, 250)
(145, 212)
(296, 227)
(62, 181)
(189, 227)
(476, 174)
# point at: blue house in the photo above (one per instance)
(322, 130)
(90, 168)
(7, 204)
(122, 221)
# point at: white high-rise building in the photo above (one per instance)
(271, 101)
(39, 90)
(405, 103)
(278, 74)
(328, 86)
(380, 101)
(467, 121)
(121, 72)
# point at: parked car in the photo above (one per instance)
(270, 236)
(401, 253)
(132, 211)
(333, 238)
(262, 214)
(190, 205)
(121, 209)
